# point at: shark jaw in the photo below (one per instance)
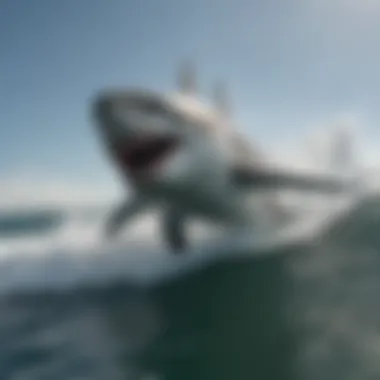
(143, 156)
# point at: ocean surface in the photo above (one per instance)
(73, 307)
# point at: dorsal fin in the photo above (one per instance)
(187, 79)
(221, 98)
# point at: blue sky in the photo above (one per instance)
(289, 64)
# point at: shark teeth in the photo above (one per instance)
(144, 154)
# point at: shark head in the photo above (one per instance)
(157, 138)
(137, 129)
(167, 141)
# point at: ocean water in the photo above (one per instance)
(305, 306)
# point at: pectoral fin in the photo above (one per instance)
(122, 214)
(173, 230)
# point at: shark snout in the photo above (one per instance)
(103, 110)
(111, 117)
(127, 113)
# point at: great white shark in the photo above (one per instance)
(177, 153)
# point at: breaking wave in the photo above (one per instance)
(60, 247)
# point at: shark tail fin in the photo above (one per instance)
(342, 160)
(187, 79)
(221, 99)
